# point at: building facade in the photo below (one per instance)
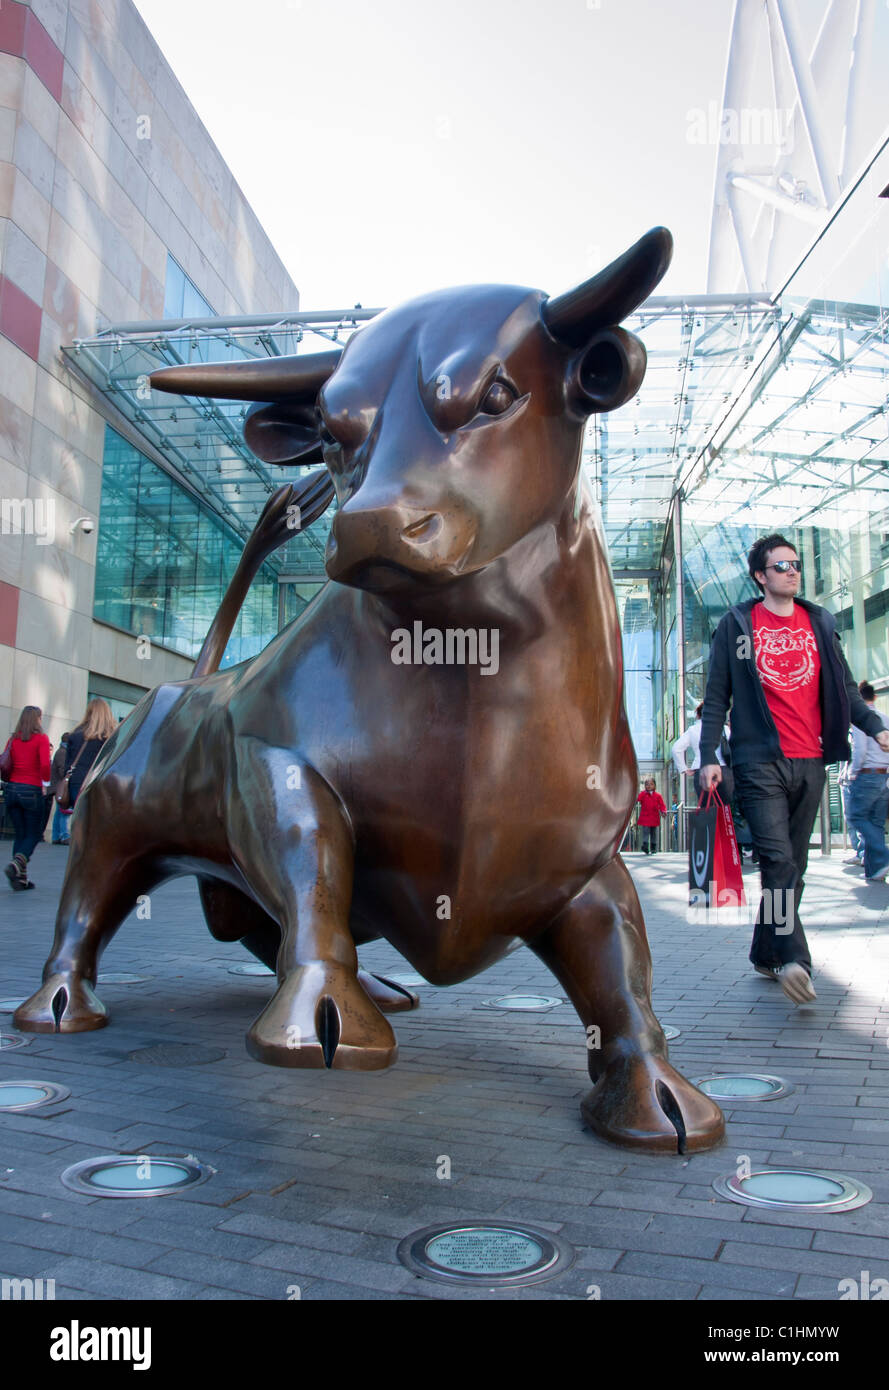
(115, 205)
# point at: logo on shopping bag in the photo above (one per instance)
(699, 861)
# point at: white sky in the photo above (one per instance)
(391, 147)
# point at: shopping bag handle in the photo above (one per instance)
(710, 792)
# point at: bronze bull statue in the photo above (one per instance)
(436, 751)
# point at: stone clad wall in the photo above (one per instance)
(104, 167)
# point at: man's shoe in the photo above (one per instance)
(852, 859)
(796, 983)
(770, 971)
(879, 875)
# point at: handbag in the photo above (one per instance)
(714, 861)
(63, 795)
(6, 761)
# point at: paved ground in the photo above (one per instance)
(319, 1175)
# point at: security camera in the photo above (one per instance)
(84, 524)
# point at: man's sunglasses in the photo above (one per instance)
(782, 566)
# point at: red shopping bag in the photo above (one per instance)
(714, 862)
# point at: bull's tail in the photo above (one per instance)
(292, 507)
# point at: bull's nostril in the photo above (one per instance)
(426, 529)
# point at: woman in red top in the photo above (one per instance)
(651, 808)
(23, 793)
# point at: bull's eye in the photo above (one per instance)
(327, 439)
(497, 399)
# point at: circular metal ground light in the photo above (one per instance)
(527, 1003)
(10, 1040)
(670, 1032)
(493, 1254)
(134, 1175)
(118, 978)
(794, 1189)
(9, 1006)
(177, 1055)
(744, 1086)
(30, 1095)
(255, 967)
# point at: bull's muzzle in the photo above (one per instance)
(395, 546)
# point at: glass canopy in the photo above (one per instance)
(763, 415)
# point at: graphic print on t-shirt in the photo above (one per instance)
(785, 658)
(789, 668)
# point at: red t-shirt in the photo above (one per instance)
(789, 668)
(30, 760)
(650, 806)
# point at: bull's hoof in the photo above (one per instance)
(64, 1004)
(389, 997)
(321, 1017)
(642, 1102)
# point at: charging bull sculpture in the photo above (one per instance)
(351, 781)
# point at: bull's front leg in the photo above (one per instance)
(291, 838)
(598, 951)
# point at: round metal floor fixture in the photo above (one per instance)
(489, 1254)
(9, 1006)
(10, 1040)
(30, 1095)
(794, 1189)
(527, 1003)
(177, 1055)
(121, 978)
(134, 1175)
(252, 967)
(670, 1032)
(744, 1086)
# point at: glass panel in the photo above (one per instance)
(164, 561)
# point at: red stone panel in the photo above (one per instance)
(20, 317)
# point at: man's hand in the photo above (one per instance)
(711, 775)
(883, 740)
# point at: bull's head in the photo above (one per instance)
(451, 425)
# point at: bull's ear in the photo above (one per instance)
(607, 373)
(283, 433)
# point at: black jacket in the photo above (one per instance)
(734, 680)
(84, 763)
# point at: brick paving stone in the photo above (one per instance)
(498, 1093)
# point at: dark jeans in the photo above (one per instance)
(649, 838)
(868, 804)
(26, 808)
(780, 801)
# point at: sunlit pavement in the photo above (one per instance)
(319, 1175)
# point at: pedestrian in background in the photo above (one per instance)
(651, 807)
(691, 741)
(27, 776)
(777, 660)
(60, 817)
(869, 794)
(855, 839)
(85, 743)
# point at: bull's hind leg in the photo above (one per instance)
(597, 949)
(100, 890)
(232, 916)
(299, 866)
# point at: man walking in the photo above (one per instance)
(777, 660)
(869, 793)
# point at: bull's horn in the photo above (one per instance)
(263, 379)
(611, 295)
